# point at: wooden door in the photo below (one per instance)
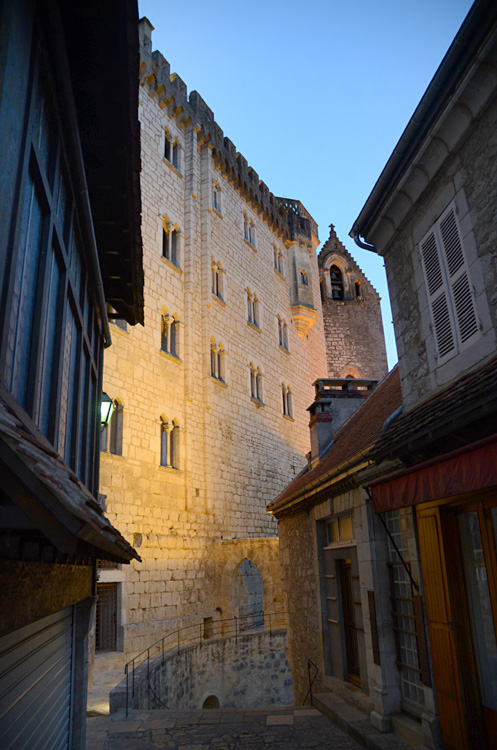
(440, 628)
(458, 558)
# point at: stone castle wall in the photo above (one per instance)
(195, 524)
(354, 338)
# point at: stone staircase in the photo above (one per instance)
(356, 724)
(108, 672)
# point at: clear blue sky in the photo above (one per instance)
(314, 94)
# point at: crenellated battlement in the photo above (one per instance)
(288, 219)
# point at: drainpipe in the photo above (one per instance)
(364, 245)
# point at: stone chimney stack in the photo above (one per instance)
(336, 399)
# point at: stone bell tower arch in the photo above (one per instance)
(355, 342)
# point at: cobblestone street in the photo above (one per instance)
(285, 729)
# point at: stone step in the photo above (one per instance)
(356, 723)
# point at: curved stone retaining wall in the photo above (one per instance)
(248, 672)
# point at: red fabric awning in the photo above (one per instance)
(464, 471)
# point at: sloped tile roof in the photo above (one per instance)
(68, 498)
(462, 402)
(356, 436)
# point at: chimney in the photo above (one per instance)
(336, 399)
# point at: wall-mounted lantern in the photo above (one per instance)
(106, 409)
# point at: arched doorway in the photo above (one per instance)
(248, 599)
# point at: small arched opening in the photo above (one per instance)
(212, 701)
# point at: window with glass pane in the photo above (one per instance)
(403, 609)
(51, 341)
(480, 606)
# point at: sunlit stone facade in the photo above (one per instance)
(233, 338)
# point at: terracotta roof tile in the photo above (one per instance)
(357, 435)
(437, 415)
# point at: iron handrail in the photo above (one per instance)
(311, 682)
(200, 632)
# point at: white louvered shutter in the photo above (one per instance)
(438, 297)
(457, 272)
(450, 297)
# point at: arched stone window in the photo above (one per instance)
(169, 443)
(171, 243)
(252, 308)
(217, 198)
(218, 363)
(248, 595)
(278, 260)
(164, 441)
(217, 271)
(172, 150)
(303, 277)
(256, 393)
(351, 372)
(336, 281)
(170, 334)
(282, 333)
(249, 231)
(287, 400)
(174, 445)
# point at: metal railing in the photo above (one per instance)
(310, 665)
(197, 635)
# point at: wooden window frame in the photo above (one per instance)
(58, 345)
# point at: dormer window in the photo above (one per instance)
(336, 281)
